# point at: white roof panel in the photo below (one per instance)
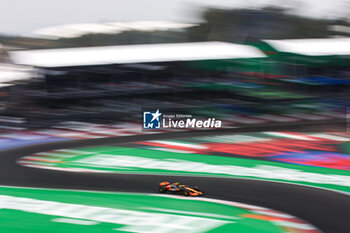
(123, 54)
(10, 73)
(313, 47)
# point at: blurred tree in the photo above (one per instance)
(241, 25)
(235, 25)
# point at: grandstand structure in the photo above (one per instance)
(109, 84)
(112, 83)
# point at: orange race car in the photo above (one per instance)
(177, 188)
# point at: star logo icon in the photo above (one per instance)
(156, 115)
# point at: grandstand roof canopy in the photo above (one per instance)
(123, 54)
(313, 47)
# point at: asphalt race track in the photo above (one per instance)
(327, 210)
